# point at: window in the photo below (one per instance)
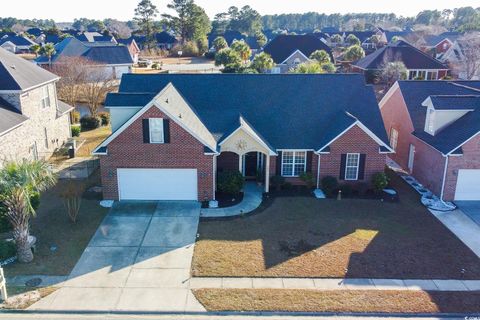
(156, 130)
(293, 163)
(297, 61)
(276, 70)
(351, 166)
(393, 138)
(45, 99)
(432, 75)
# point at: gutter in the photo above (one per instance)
(443, 183)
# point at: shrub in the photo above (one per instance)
(307, 177)
(277, 181)
(90, 123)
(75, 131)
(72, 199)
(105, 118)
(189, 49)
(7, 249)
(210, 55)
(380, 181)
(75, 117)
(230, 182)
(156, 66)
(346, 189)
(35, 200)
(4, 222)
(329, 185)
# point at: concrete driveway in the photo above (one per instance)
(471, 209)
(138, 260)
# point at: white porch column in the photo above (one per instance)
(267, 174)
(240, 163)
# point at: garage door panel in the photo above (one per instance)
(468, 184)
(157, 184)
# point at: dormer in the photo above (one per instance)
(443, 110)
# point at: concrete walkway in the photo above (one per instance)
(462, 226)
(252, 198)
(335, 284)
(138, 260)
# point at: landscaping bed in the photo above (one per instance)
(60, 242)
(227, 199)
(356, 238)
(295, 300)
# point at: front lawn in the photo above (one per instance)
(53, 228)
(338, 300)
(307, 237)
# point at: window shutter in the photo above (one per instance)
(146, 131)
(343, 162)
(278, 169)
(166, 130)
(361, 167)
(309, 162)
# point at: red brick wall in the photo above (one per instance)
(353, 141)
(227, 161)
(439, 48)
(128, 151)
(469, 160)
(395, 115)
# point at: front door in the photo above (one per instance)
(250, 164)
(411, 157)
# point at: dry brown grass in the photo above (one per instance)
(23, 297)
(305, 237)
(293, 300)
(93, 139)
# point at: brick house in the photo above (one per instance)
(288, 51)
(420, 66)
(33, 122)
(434, 128)
(173, 133)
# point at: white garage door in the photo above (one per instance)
(468, 185)
(157, 184)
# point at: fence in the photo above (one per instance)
(73, 168)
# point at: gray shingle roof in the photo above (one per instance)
(400, 51)
(9, 117)
(415, 92)
(289, 111)
(454, 102)
(19, 74)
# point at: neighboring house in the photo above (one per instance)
(438, 44)
(434, 128)
(420, 65)
(173, 133)
(230, 36)
(454, 57)
(93, 37)
(165, 40)
(33, 122)
(36, 32)
(132, 46)
(288, 51)
(16, 44)
(115, 60)
(49, 38)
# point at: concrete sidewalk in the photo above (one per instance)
(138, 260)
(335, 284)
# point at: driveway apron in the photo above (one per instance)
(138, 260)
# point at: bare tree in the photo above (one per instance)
(468, 63)
(99, 82)
(73, 73)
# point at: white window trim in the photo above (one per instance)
(45, 97)
(393, 142)
(150, 131)
(293, 163)
(347, 166)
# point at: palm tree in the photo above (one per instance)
(36, 49)
(263, 62)
(19, 182)
(242, 48)
(48, 50)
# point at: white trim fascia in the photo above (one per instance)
(389, 94)
(249, 130)
(365, 129)
(297, 50)
(142, 111)
(450, 153)
(13, 128)
(30, 88)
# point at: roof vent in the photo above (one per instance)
(13, 66)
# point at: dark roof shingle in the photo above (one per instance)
(282, 46)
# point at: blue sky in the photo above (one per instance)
(66, 10)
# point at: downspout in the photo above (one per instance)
(318, 171)
(214, 175)
(443, 183)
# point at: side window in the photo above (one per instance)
(45, 98)
(156, 130)
(393, 138)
